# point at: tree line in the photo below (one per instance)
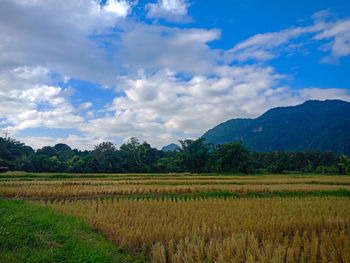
(194, 156)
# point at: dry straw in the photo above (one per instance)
(218, 230)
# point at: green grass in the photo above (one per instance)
(58, 176)
(49, 176)
(30, 233)
(228, 194)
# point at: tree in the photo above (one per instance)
(193, 156)
(104, 157)
(48, 151)
(232, 157)
(12, 152)
(64, 152)
(167, 165)
(343, 164)
(40, 163)
(137, 157)
(76, 165)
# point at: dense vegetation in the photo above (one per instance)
(320, 125)
(194, 156)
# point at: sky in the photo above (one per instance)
(85, 71)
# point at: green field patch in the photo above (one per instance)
(228, 194)
(30, 233)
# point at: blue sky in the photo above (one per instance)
(86, 71)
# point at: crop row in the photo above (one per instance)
(79, 190)
(173, 178)
(167, 181)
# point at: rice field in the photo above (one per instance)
(61, 186)
(219, 230)
(203, 218)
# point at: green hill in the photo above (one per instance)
(322, 125)
(171, 148)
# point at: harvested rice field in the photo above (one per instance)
(200, 218)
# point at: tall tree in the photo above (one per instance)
(193, 156)
(104, 157)
(232, 157)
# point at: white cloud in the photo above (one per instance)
(85, 142)
(181, 50)
(31, 74)
(171, 10)
(119, 8)
(85, 106)
(267, 46)
(27, 101)
(263, 47)
(339, 45)
(324, 94)
(60, 35)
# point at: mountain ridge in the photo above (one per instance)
(172, 147)
(314, 124)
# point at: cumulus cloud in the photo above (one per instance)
(35, 74)
(27, 102)
(181, 50)
(60, 35)
(171, 10)
(119, 8)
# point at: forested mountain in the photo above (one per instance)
(171, 148)
(322, 125)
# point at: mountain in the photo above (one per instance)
(171, 148)
(322, 125)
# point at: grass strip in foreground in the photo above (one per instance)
(30, 233)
